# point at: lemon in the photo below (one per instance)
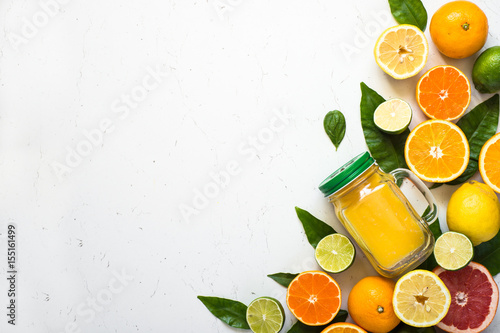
(474, 211)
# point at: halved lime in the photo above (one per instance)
(265, 315)
(453, 250)
(393, 116)
(335, 253)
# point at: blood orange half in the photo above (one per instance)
(474, 298)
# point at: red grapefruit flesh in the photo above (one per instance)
(474, 298)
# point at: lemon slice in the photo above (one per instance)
(402, 51)
(265, 315)
(453, 250)
(335, 253)
(421, 299)
(393, 116)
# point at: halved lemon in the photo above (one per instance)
(421, 299)
(402, 51)
(489, 162)
(437, 151)
(393, 116)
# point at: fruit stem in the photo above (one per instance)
(465, 26)
(380, 309)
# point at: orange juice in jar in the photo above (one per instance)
(372, 208)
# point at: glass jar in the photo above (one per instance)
(370, 205)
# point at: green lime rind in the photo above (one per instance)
(265, 315)
(453, 251)
(486, 71)
(393, 116)
(335, 253)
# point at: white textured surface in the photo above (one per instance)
(230, 66)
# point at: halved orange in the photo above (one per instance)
(314, 297)
(489, 162)
(343, 328)
(437, 151)
(401, 51)
(443, 92)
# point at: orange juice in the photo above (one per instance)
(384, 224)
(372, 208)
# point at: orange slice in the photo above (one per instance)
(443, 93)
(401, 51)
(314, 297)
(343, 328)
(489, 162)
(437, 151)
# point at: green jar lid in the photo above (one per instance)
(346, 173)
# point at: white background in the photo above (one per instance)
(229, 66)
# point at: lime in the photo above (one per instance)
(335, 253)
(393, 116)
(486, 71)
(453, 250)
(265, 315)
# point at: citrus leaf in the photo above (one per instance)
(231, 312)
(430, 263)
(386, 149)
(283, 278)
(409, 12)
(315, 229)
(480, 124)
(299, 327)
(488, 254)
(334, 124)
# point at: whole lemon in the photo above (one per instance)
(459, 29)
(474, 210)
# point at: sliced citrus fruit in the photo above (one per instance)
(314, 297)
(437, 151)
(401, 51)
(453, 250)
(335, 253)
(265, 315)
(443, 92)
(343, 328)
(474, 298)
(421, 299)
(393, 116)
(489, 162)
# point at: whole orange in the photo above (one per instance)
(459, 29)
(370, 304)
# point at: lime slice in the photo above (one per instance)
(335, 253)
(265, 315)
(393, 116)
(453, 250)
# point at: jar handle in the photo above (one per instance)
(401, 174)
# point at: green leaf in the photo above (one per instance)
(409, 12)
(386, 149)
(283, 278)
(315, 229)
(480, 124)
(231, 312)
(334, 124)
(430, 263)
(488, 254)
(303, 328)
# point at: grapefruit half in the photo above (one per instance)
(474, 298)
